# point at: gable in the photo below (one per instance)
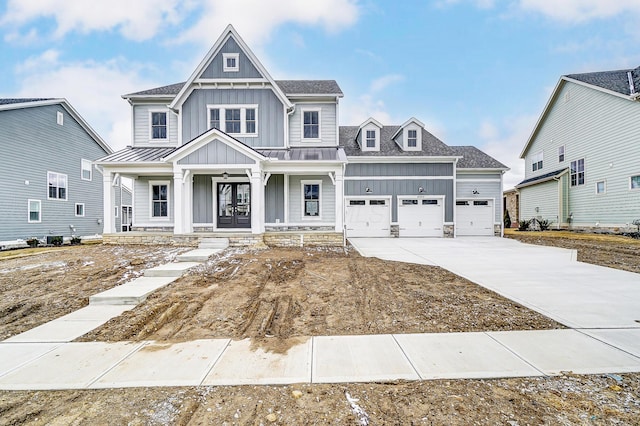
(216, 152)
(246, 68)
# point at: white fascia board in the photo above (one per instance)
(403, 159)
(406, 123)
(484, 170)
(31, 104)
(232, 81)
(127, 169)
(315, 95)
(598, 88)
(546, 108)
(373, 121)
(208, 137)
(301, 168)
(150, 98)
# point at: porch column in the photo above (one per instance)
(109, 223)
(257, 203)
(188, 197)
(339, 190)
(178, 221)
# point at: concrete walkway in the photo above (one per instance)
(44, 358)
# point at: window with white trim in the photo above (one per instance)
(230, 62)
(86, 169)
(577, 172)
(159, 125)
(311, 198)
(238, 120)
(80, 209)
(159, 193)
(370, 139)
(60, 118)
(56, 186)
(634, 182)
(601, 187)
(34, 208)
(561, 154)
(412, 138)
(310, 124)
(115, 211)
(536, 161)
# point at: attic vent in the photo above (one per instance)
(632, 87)
(567, 96)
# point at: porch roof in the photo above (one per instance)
(304, 154)
(137, 155)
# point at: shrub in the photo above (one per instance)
(523, 225)
(636, 222)
(507, 219)
(75, 241)
(33, 242)
(544, 224)
(56, 241)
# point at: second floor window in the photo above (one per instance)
(239, 120)
(158, 125)
(536, 161)
(214, 118)
(232, 120)
(311, 125)
(57, 186)
(577, 172)
(250, 120)
(561, 154)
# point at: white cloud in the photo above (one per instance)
(580, 10)
(93, 88)
(136, 20)
(256, 19)
(381, 83)
(357, 110)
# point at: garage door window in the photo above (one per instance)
(377, 202)
(462, 203)
(480, 203)
(356, 202)
(409, 202)
(429, 202)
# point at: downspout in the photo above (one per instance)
(290, 112)
(560, 203)
(455, 192)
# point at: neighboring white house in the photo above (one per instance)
(583, 156)
(233, 150)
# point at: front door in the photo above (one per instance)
(234, 205)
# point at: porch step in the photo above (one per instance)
(213, 243)
(176, 269)
(198, 255)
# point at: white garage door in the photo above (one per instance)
(474, 217)
(420, 217)
(369, 217)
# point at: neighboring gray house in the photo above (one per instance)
(50, 186)
(583, 158)
(233, 150)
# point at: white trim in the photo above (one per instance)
(302, 200)
(308, 223)
(153, 183)
(116, 211)
(76, 210)
(631, 188)
(302, 111)
(564, 153)
(29, 201)
(537, 161)
(404, 159)
(401, 178)
(604, 190)
(225, 67)
(405, 138)
(83, 163)
(243, 118)
(166, 118)
(66, 187)
(406, 123)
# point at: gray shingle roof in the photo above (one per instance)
(431, 146)
(616, 81)
(8, 101)
(170, 90)
(130, 154)
(473, 158)
(541, 178)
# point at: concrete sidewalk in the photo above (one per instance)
(323, 359)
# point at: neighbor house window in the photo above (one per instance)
(311, 198)
(57, 186)
(34, 207)
(86, 169)
(60, 118)
(561, 154)
(115, 211)
(159, 199)
(158, 125)
(536, 161)
(601, 187)
(577, 172)
(311, 124)
(79, 209)
(371, 139)
(230, 62)
(412, 138)
(634, 182)
(239, 120)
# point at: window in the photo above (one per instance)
(577, 172)
(159, 199)
(480, 203)
(79, 209)
(378, 202)
(230, 62)
(561, 154)
(60, 118)
(601, 187)
(214, 118)
(239, 120)
(311, 199)
(429, 202)
(232, 120)
(409, 202)
(356, 202)
(370, 139)
(57, 186)
(86, 169)
(462, 203)
(311, 125)
(412, 138)
(34, 211)
(158, 125)
(115, 211)
(536, 161)
(634, 182)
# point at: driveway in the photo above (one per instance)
(546, 279)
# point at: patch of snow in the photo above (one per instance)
(363, 417)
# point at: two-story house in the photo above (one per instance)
(582, 158)
(50, 186)
(233, 150)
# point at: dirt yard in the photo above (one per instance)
(285, 293)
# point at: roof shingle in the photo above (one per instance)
(431, 146)
(8, 101)
(616, 81)
(473, 158)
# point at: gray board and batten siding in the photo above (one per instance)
(195, 120)
(34, 144)
(142, 126)
(274, 199)
(246, 69)
(216, 152)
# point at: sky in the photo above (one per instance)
(476, 72)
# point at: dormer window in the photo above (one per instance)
(412, 139)
(230, 62)
(311, 124)
(370, 139)
(158, 125)
(369, 135)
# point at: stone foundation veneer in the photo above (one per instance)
(497, 230)
(447, 231)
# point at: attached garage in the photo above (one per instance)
(368, 217)
(421, 216)
(474, 217)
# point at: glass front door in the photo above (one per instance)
(234, 205)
